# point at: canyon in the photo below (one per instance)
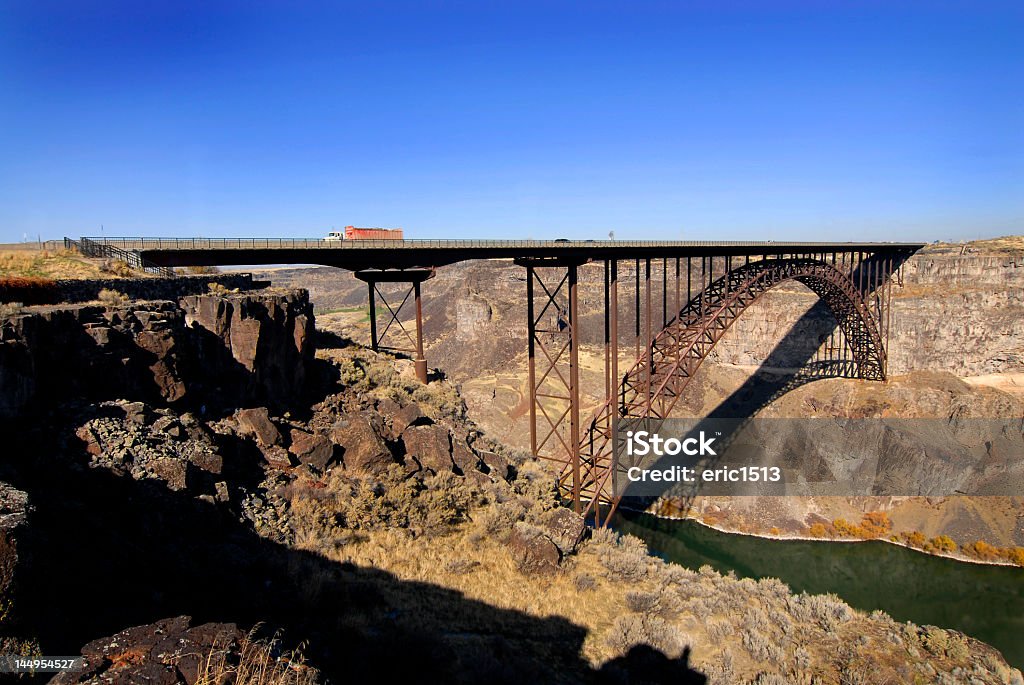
(955, 346)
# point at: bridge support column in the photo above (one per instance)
(394, 336)
(553, 344)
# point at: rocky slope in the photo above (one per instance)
(368, 517)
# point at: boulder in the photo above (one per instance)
(565, 529)
(174, 472)
(14, 509)
(533, 553)
(91, 440)
(159, 341)
(311, 449)
(137, 412)
(430, 446)
(278, 457)
(256, 422)
(464, 456)
(409, 415)
(365, 449)
(168, 652)
(170, 426)
(211, 462)
(497, 465)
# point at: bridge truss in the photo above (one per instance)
(675, 325)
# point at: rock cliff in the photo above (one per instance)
(220, 349)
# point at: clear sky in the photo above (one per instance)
(876, 120)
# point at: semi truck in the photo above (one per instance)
(353, 233)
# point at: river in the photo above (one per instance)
(985, 602)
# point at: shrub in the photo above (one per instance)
(915, 539)
(983, 550)
(116, 267)
(761, 648)
(642, 629)
(817, 530)
(874, 524)
(935, 640)
(943, 543)
(642, 602)
(627, 559)
(717, 630)
(216, 288)
(584, 582)
(112, 298)
(10, 309)
(201, 270)
(828, 611)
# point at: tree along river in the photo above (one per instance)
(985, 602)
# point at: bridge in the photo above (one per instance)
(683, 297)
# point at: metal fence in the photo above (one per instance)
(102, 249)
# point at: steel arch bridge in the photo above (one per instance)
(705, 286)
(856, 289)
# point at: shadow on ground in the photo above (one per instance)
(104, 552)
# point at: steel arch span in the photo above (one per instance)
(658, 378)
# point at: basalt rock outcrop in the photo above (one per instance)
(232, 349)
(262, 344)
(169, 652)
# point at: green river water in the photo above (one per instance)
(986, 602)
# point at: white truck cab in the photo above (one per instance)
(335, 235)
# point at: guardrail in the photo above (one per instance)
(142, 243)
(93, 248)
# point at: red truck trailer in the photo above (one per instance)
(353, 233)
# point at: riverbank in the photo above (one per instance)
(982, 600)
(810, 538)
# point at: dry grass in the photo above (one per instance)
(54, 264)
(739, 630)
(255, 662)
(1010, 244)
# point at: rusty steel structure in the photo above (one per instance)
(673, 336)
(394, 336)
(675, 299)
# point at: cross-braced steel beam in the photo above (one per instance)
(394, 336)
(553, 347)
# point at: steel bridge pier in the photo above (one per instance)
(394, 336)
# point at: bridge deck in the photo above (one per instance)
(401, 254)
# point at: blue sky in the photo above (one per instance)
(706, 120)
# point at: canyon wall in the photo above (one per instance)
(204, 349)
(45, 291)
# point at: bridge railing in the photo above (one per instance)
(158, 243)
(92, 248)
